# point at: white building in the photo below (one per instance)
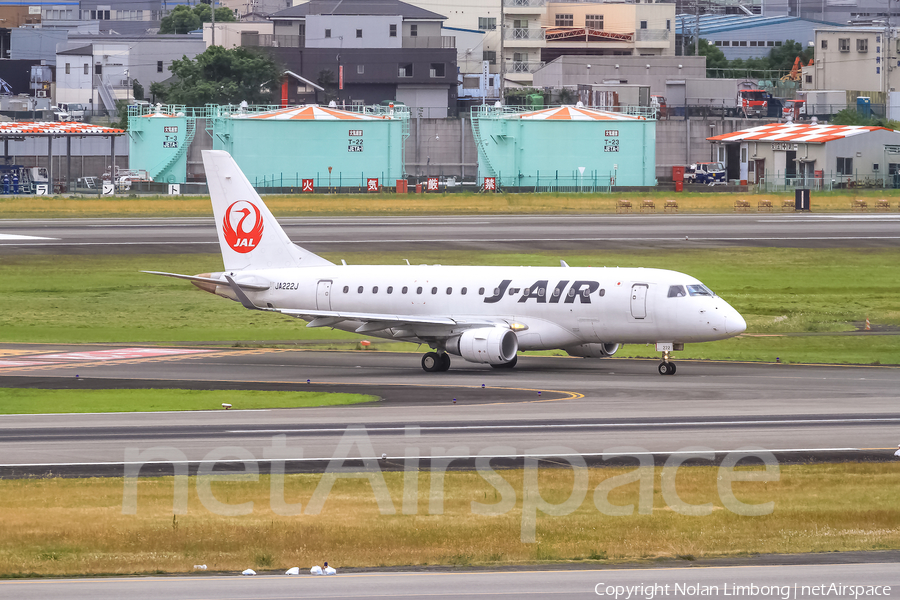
(96, 70)
(861, 59)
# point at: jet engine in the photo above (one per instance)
(593, 350)
(493, 345)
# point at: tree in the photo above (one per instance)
(326, 81)
(220, 76)
(181, 20)
(137, 89)
(223, 15)
(715, 58)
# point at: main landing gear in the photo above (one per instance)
(433, 362)
(666, 367)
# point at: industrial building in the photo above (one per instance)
(809, 155)
(565, 148)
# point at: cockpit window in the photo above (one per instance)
(677, 291)
(699, 290)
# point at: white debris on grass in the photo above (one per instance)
(200, 567)
(249, 572)
(330, 571)
(316, 570)
(293, 571)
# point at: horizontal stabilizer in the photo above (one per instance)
(246, 286)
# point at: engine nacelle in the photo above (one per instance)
(493, 345)
(593, 350)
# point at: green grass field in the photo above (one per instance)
(20, 401)
(75, 299)
(21, 207)
(65, 527)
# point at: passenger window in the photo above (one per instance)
(418, 290)
(602, 292)
(463, 291)
(699, 290)
(375, 290)
(390, 289)
(481, 291)
(496, 291)
(556, 292)
(346, 288)
(359, 290)
(541, 292)
(449, 291)
(676, 291)
(434, 290)
(404, 290)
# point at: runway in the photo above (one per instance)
(754, 581)
(486, 233)
(546, 405)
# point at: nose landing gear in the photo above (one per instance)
(666, 367)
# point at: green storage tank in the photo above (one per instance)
(334, 148)
(566, 148)
(159, 138)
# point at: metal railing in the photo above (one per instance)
(430, 41)
(524, 3)
(519, 33)
(268, 40)
(525, 66)
(780, 182)
(651, 35)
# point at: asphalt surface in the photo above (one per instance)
(487, 233)
(783, 582)
(548, 406)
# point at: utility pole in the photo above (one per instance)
(502, 58)
(212, 4)
(697, 28)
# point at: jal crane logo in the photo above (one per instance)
(244, 236)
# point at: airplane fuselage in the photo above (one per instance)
(558, 306)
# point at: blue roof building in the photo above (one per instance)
(750, 36)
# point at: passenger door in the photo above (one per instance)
(639, 300)
(323, 295)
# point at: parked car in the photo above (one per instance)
(658, 104)
(709, 173)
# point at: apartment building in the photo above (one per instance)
(521, 36)
(372, 51)
(863, 59)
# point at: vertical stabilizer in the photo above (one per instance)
(249, 236)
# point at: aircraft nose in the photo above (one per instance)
(735, 323)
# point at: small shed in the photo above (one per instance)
(810, 154)
(565, 148)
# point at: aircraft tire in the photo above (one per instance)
(671, 368)
(431, 362)
(507, 365)
(664, 369)
(445, 362)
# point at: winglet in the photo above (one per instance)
(241, 296)
(563, 263)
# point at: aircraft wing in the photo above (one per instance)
(371, 321)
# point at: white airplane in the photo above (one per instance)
(483, 314)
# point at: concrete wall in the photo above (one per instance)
(569, 71)
(375, 31)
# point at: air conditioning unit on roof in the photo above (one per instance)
(42, 93)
